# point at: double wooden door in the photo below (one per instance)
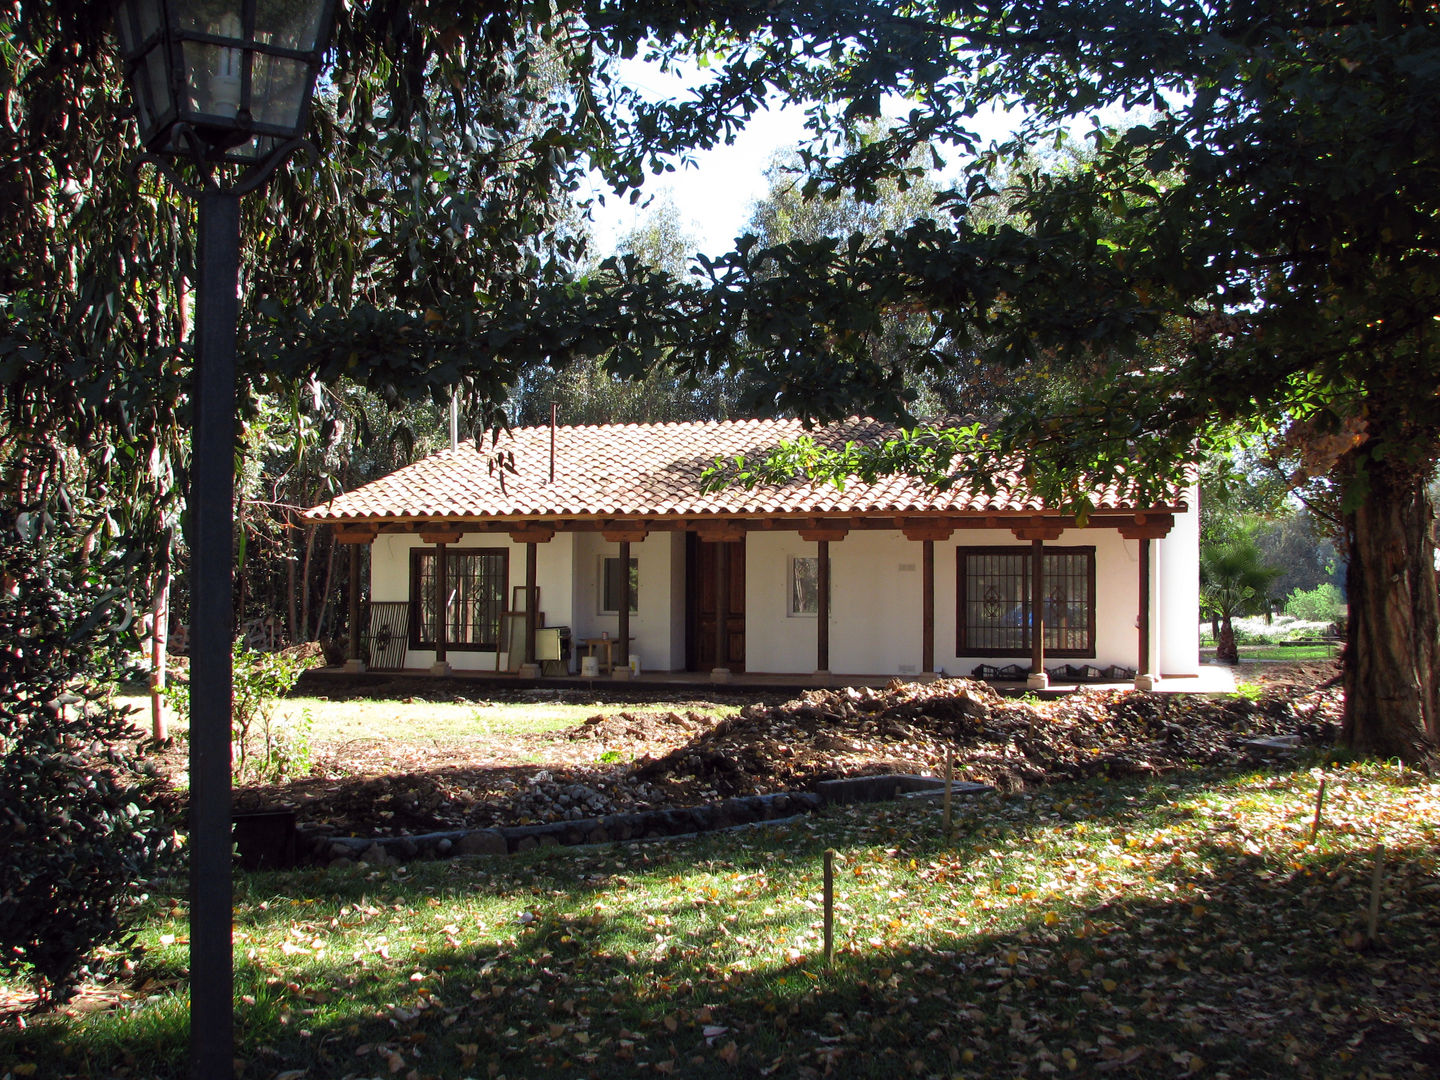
(702, 560)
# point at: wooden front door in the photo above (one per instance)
(702, 563)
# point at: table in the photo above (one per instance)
(595, 646)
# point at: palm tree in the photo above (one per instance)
(1235, 580)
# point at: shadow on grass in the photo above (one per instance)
(1221, 960)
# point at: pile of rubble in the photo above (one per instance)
(1009, 743)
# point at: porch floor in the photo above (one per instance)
(1210, 679)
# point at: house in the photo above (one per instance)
(609, 527)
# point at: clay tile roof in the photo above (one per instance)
(649, 470)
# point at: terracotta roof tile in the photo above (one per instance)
(645, 470)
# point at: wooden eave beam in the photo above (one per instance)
(435, 535)
(720, 532)
(816, 530)
(355, 534)
(532, 534)
(624, 532)
(1038, 528)
(1146, 526)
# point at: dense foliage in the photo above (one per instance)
(79, 830)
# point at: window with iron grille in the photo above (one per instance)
(477, 579)
(994, 605)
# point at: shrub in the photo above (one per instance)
(80, 827)
(265, 746)
(1324, 604)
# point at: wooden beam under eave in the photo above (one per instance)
(1047, 531)
(534, 534)
(355, 536)
(624, 532)
(824, 533)
(931, 533)
(441, 536)
(720, 533)
(1147, 526)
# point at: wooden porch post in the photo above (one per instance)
(822, 608)
(354, 539)
(927, 605)
(442, 612)
(1038, 680)
(528, 667)
(1145, 527)
(352, 653)
(621, 667)
(720, 672)
(1144, 677)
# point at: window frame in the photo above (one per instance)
(790, 612)
(604, 581)
(418, 557)
(1025, 553)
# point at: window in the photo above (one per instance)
(804, 585)
(994, 602)
(477, 579)
(612, 585)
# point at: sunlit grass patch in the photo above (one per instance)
(1182, 925)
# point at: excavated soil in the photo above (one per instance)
(623, 760)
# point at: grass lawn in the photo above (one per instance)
(1136, 929)
(1288, 653)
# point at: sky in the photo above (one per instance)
(715, 195)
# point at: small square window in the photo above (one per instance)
(804, 585)
(612, 585)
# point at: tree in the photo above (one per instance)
(1278, 207)
(1235, 580)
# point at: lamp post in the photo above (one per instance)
(226, 86)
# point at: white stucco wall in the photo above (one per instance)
(390, 580)
(875, 618)
(1176, 587)
(652, 625)
(876, 588)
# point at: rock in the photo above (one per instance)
(482, 842)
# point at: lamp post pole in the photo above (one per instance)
(224, 85)
(212, 480)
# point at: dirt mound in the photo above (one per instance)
(635, 760)
(827, 734)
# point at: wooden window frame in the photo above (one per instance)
(1022, 651)
(417, 557)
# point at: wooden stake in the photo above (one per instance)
(829, 905)
(949, 787)
(1319, 805)
(1377, 876)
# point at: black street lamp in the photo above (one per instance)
(226, 85)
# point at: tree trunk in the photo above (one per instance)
(1225, 650)
(305, 584)
(1392, 660)
(325, 592)
(159, 635)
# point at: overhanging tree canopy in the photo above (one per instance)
(1260, 253)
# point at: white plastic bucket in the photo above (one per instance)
(634, 665)
(589, 666)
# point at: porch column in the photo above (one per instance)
(528, 668)
(441, 666)
(1145, 527)
(927, 607)
(822, 533)
(1144, 677)
(441, 539)
(822, 608)
(531, 537)
(1037, 530)
(352, 652)
(621, 667)
(721, 673)
(1038, 680)
(926, 531)
(353, 539)
(623, 533)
